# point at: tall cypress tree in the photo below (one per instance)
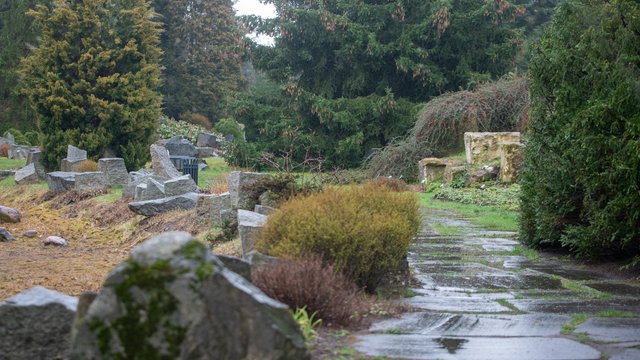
(203, 50)
(93, 78)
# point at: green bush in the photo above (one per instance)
(241, 153)
(582, 160)
(230, 127)
(93, 78)
(364, 231)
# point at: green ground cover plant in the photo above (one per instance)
(11, 164)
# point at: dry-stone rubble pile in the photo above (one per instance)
(481, 148)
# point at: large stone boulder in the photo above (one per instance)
(154, 207)
(208, 140)
(179, 146)
(173, 299)
(89, 181)
(9, 215)
(115, 171)
(237, 265)
(239, 183)
(431, 169)
(249, 226)
(180, 185)
(484, 147)
(59, 181)
(36, 324)
(27, 175)
(510, 162)
(161, 163)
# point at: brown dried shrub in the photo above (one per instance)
(393, 184)
(308, 282)
(87, 166)
(197, 119)
(4, 150)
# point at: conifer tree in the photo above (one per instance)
(93, 78)
(203, 51)
(16, 34)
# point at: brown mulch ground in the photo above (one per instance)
(100, 235)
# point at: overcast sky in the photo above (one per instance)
(254, 7)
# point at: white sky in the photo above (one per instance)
(254, 7)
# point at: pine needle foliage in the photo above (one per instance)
(94, 76)
(581, 181)
(442, 122)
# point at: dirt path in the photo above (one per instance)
(480, 298)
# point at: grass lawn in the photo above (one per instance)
(11, 164)
(489, 217)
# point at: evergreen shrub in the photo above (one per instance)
(363, 231)
(309, 283)
(230, 127)
(581, 180)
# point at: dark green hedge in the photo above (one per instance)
(580, 188)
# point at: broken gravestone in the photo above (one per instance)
(27, 175)
(158, 206)
(161, 164)
(239, 184)
(36, 324)
(75, 156)
(173, 299)
(115, 171)
(249, 226)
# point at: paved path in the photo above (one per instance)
(480, 299)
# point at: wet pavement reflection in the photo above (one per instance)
(480, 299)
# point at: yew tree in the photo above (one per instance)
(93, 78)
